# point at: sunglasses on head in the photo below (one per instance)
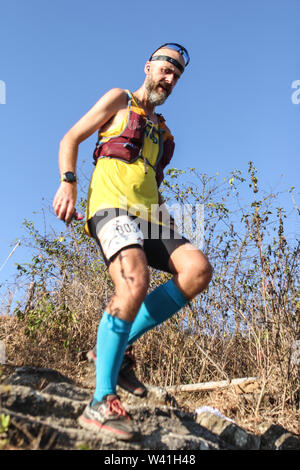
(176, 47)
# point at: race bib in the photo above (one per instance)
(119, 233)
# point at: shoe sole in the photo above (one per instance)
(138, 392)
(94, 425)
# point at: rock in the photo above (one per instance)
(35, 377)
(67, 390)
(228, 431)
(44, 406)
(278, 438)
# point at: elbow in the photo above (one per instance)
(69, 141)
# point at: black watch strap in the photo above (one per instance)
(69, 177)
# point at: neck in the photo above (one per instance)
(141, 95)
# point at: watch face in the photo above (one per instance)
(70, 177)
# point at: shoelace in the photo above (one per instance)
(115, 406)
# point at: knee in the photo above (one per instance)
(200, 274)
(206, 273)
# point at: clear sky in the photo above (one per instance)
(234, 103)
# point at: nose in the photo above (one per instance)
(170, 79)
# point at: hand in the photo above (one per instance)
(65, 200)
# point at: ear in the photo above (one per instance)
(147, 67)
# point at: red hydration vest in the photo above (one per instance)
(128, 146)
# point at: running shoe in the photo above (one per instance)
(110, 418)
(127, 378)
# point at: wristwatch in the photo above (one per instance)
(69, 177)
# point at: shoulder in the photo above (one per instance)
(116, 94)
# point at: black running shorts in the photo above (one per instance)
(115, 230)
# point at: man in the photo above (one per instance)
(133, 148)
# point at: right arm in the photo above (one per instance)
(110, 103)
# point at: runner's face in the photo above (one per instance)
(162, 77)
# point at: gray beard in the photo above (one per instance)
(154, 97)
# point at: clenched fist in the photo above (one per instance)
(65, 200)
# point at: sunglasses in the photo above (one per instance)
(176, 47)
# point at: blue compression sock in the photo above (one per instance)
(158, 306)
(112, 340)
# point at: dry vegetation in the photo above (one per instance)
(246, 324)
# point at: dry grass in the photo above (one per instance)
(167, 356)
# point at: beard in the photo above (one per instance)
(156, 96)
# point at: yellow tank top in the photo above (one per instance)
(117, 184)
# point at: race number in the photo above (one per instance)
(119, 233)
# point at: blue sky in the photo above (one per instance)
(233, 104)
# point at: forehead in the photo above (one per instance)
(171, 53)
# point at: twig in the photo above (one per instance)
(209, 358)
(23, 429)
(206, 386)
(262, 392)
(16, 246)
